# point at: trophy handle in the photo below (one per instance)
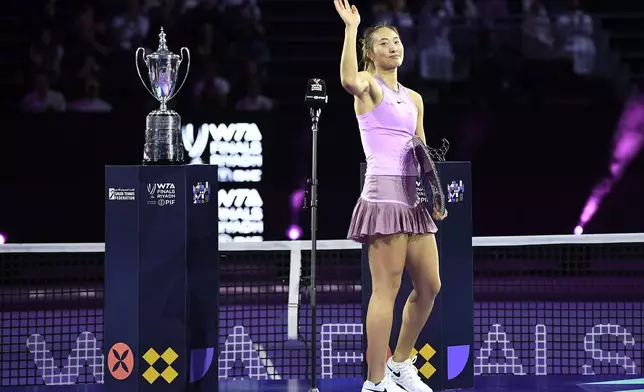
(136, 64)
(187, 70)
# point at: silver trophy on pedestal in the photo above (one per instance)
(163, 144)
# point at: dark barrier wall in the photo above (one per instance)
(533, 168)
(61, 159)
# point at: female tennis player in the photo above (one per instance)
(389, 215)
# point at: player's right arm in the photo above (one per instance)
(356, 83)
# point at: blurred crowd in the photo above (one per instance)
(82, 54)
(438, 34)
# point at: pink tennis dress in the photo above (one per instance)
(389, 203)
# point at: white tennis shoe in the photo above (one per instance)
(386, 385)
(405, 375)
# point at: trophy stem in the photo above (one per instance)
(163, 107)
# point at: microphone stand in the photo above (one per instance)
(313, 183)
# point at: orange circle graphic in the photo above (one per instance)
(120, 361)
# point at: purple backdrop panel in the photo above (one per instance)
(65, 346)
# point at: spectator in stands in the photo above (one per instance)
(91, 102)
(50, 11)
(378, 8)
(251, 11)
(434, 46)
(553, 6)
(254, 101)
(247, 35)
(527, 4)
(495, 75)
(46, 54)
(212, 89)
(252, 71)
(251, 17)
(86, 42)
(396, 14)
(211, 45)
(89, 35)
(43, 99)
(207, 11)
(187, 5)
(246, 10)
(90, 69)
(247, 71)
(575, 29)
(250, 44)
(491, 11)
(131, 25)
(538, 41)
(465, 9)
(164, 14)
(210, 99)
(238, 3)
(149, 5)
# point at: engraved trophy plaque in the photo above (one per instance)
(163, 144)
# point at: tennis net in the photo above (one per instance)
(543, 305)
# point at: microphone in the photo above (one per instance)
(316, 96)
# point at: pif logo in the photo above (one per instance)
(120, 361)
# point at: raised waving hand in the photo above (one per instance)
(348, 13)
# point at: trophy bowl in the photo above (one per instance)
(163, 144)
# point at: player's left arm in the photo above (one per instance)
(418, 101)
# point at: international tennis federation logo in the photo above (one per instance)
(455, 191)
(201, 193)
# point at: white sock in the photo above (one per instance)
(396, 363)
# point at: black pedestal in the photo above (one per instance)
(161, 278)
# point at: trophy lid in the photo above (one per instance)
(162, 51)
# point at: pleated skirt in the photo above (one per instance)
(389, 205)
